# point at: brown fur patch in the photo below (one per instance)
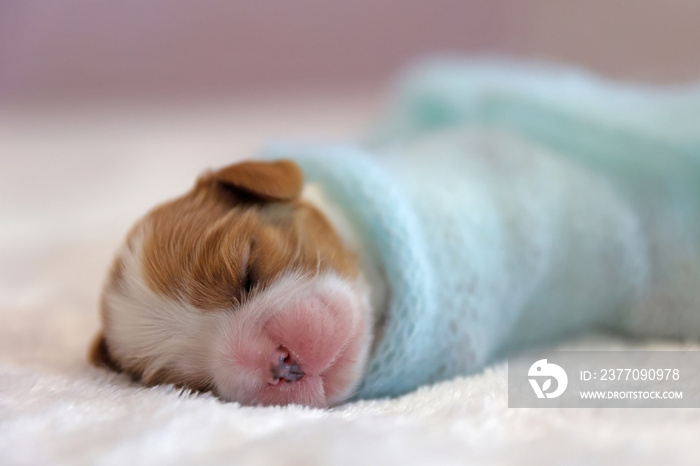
(212, 249)
(272, 181)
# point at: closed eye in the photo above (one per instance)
(248, 281)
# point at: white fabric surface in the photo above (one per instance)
(71, 183)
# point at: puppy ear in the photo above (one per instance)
(99, 354)
(281, 180)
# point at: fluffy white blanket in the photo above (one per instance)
(71, 184)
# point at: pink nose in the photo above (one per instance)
(313, 348)
(284, 367)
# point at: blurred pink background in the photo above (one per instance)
(174, 48)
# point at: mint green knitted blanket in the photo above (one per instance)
(512, 205)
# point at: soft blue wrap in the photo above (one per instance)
(511, 205)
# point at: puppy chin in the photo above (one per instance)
(319, 327)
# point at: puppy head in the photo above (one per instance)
(241, 287)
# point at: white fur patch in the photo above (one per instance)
(146, 329)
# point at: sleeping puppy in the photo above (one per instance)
(241, 287)
(498, 208)
(392, 269)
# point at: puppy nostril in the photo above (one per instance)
(285, 367)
